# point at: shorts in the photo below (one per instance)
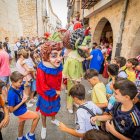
(29, 84)
(28, 115)
(5, 79)
(33, 85)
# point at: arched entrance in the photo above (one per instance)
(135, 48)
(103, 30)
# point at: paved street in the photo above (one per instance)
(53, 133)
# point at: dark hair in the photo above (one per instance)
(16, 76)
(0, 45)
(78, 91)
(113, 69)
(94, 43)
(126, 87)
(134, 61)
(90, 73)
(6, 38)
(96, 135)
(2, 84)
(120, 60)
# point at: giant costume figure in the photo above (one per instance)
(48, 82)
(73, 70)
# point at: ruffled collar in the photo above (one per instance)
(47, 70)
(75, 55)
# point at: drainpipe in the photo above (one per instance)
(36, 18)
(119, 43)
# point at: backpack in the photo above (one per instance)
(90, 112)
(123, 71)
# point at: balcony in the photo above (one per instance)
(87, 4)
(98, 7)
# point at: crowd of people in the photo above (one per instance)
(46, 66)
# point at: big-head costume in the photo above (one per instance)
(77, 41)
(48, 81)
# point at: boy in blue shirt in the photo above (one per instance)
(17, 106)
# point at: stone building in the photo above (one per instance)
(26, 18)
(118, 19)
(10, 22)
(53, 22)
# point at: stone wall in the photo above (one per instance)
(18, 18)
(27, 13)
(10, 23)
(131, 34)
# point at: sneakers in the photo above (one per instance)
(29, 104)
(23, 138)
(56, 122)
(28, 137)
(43, 133)
(70, 111)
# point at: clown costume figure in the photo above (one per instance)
(48, 82)
(73, 69)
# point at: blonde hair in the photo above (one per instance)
(24, 53)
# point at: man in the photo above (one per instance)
(96, 59)
(6, 45)
(4, 69)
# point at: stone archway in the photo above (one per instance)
(102, 29)
(135, 47)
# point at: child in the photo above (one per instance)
(130, 69)
(120, 61)
(137, 98)
(83, 123)
(113, 72)
(48, 83)
(99, 90)
(125, 116)
(31, 65)
(29, 62)
(4, 114)
(17, 106)
(96, 135)
(23, 68)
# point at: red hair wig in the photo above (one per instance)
(47, 47)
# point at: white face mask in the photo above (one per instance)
(56, 58)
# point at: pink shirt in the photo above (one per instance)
(4, 63)
(23, 71)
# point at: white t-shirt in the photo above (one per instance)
(29, 62)
(83, 123)
(17, 45)
(122, 74)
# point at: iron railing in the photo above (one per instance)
(86, 4)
